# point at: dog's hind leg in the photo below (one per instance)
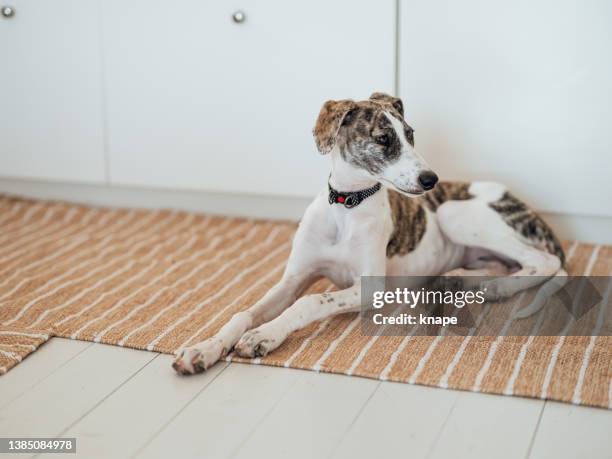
(474, 224)
(203, 355)
(480, 268)
(548, 289)
(470, 276)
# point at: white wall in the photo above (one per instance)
(514, 91)
(181, 96)
(51, 104)
(139, 96)
(212, 105)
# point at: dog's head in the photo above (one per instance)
(372, 136)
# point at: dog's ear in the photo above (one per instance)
(332, 116)
(395, 102)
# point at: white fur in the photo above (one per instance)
(487, 191)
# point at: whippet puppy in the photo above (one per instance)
(384, 213)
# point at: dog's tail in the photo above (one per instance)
(548, 289)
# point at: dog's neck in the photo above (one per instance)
(346, 178)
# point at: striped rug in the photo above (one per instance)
(158, 280)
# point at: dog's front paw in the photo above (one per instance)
(198, 358)
(256, 343)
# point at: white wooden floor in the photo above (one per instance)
(122, 403)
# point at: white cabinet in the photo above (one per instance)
(519, 92)
(51, 107)
(196, 100)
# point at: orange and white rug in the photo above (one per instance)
(158, 280)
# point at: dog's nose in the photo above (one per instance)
(428, 179)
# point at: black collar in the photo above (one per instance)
(352, 198)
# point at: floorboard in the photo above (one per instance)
(38, 366)
(217, 421)
(399, 418)
(124, 403)
(570, 431)
(132, 415)
(484, 425)
(71, 391)
(319, 406)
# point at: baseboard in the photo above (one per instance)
(593, 229)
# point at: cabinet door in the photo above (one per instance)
(197, 100)
(518, 92)
(51, 104)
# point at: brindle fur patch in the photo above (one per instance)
(409, 224)
(446, 191)
(357, 139)
(409, 218)
(328, 123)
(529, 224)
(391, 103)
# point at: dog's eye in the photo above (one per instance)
(382, 139)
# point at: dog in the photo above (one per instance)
(384, 213)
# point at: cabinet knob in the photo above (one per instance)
(8, 11)
(239, 17)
